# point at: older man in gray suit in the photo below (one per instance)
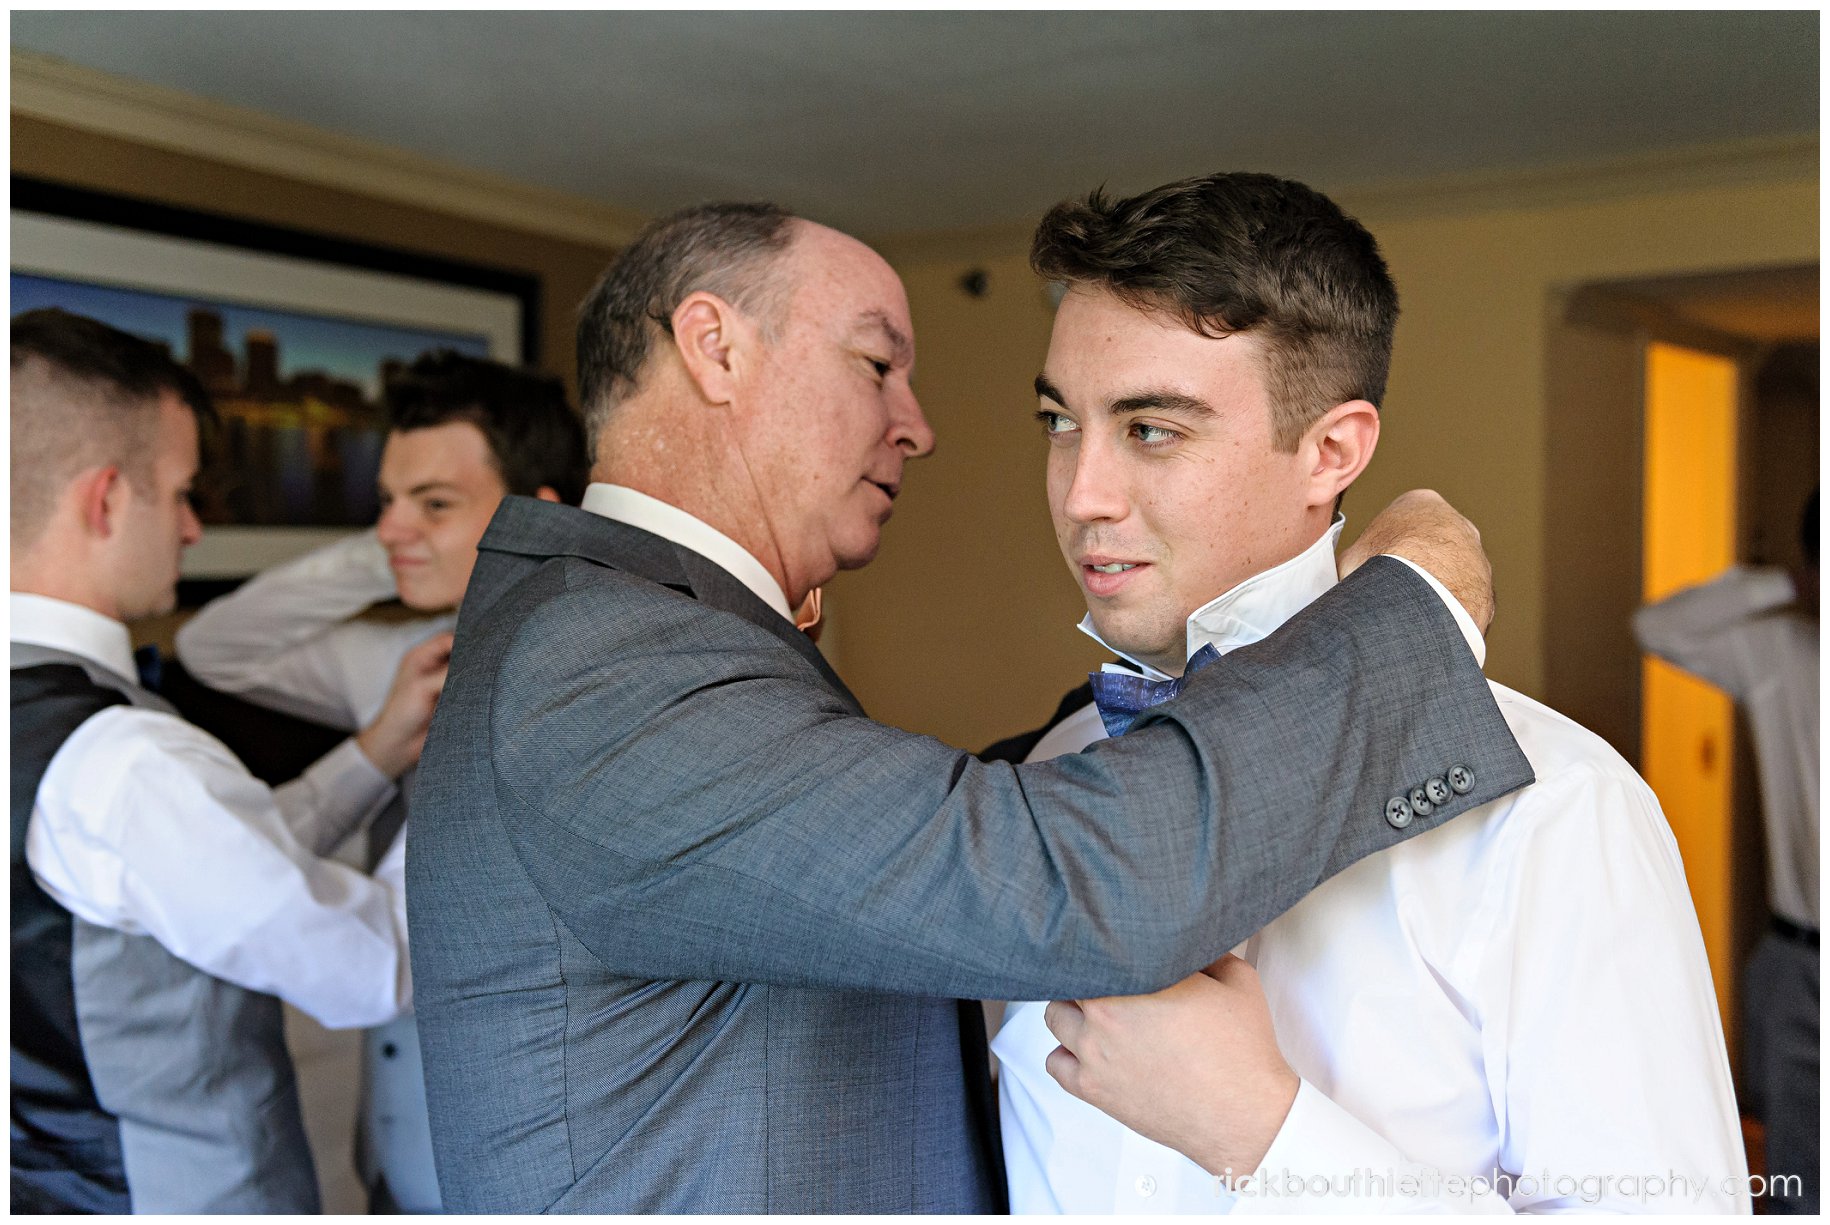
(689, 931)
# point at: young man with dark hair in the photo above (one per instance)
(1509, 1012)
(463, 432)
(162, 896)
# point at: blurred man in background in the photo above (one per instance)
(1752, 633)
(162, 896)
(462, 433)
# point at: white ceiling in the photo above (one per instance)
(895, 122)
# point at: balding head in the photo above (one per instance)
(731, 250)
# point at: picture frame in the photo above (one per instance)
(302, 434)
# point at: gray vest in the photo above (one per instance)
(194, 1069)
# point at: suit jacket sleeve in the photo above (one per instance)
(694, 802)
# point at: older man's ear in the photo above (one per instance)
(703, 328)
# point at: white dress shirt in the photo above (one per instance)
(1522, 990)
(284, 639)
(1738, 633)
(147, 824)
(669, 522)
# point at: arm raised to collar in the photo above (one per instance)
(694, 801)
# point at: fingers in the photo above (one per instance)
(433, 652)
(1066, 1020)
(1065, 1068)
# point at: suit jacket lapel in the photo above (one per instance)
(536, 529)
(713, 584)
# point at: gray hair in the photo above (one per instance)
(726, 249)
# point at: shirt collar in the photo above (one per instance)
(40, 621)
(639, 510)
(1255, 608)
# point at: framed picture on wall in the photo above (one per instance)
(292, 333)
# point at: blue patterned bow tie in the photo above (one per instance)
(151, 668)
(1123, 696)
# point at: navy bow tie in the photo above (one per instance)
(1123, 696)
(151, 668)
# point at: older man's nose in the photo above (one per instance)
(909, 429)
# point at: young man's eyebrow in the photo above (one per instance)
(901, 347)
(1163, 401)
(1143, 401)
(429, 486)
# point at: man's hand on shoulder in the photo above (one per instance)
(1421, 527)
(1194, 1066)
(393, 741)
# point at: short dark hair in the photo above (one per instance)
(726, 249)
(85, 394)
(118, 364)
(534, 436)
(1239, 252)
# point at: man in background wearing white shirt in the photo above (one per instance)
(162, 897)
(1752, 633)
(462, 433)
(1519, 997)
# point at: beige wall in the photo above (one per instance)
(964, 627)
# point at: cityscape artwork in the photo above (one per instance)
(299, 394)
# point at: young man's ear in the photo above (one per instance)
(101, 494)
(705, 329)
(1338, 447)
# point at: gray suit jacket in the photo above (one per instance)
(689, 931)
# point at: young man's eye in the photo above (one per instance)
(435, 505)
(1152, 434)
(1054, 423)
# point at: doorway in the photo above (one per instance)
(1683, 435)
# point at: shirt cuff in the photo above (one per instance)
(1325, 1161)
(1766, 587)
(1470, 632)
(365, 561)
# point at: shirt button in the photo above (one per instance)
(1437, 790)
(1146, 1186)
(1398, 812)
(1420, 802)
(1462, 779)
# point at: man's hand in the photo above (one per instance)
(393, 741)
(1194, 1066)
(1420, 527)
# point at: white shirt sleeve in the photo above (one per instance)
(336, 795)
(1605, 1054)
(148, 825)
(1464, 621)
(282, 639)
(1325, 1161)
(1696, 628)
